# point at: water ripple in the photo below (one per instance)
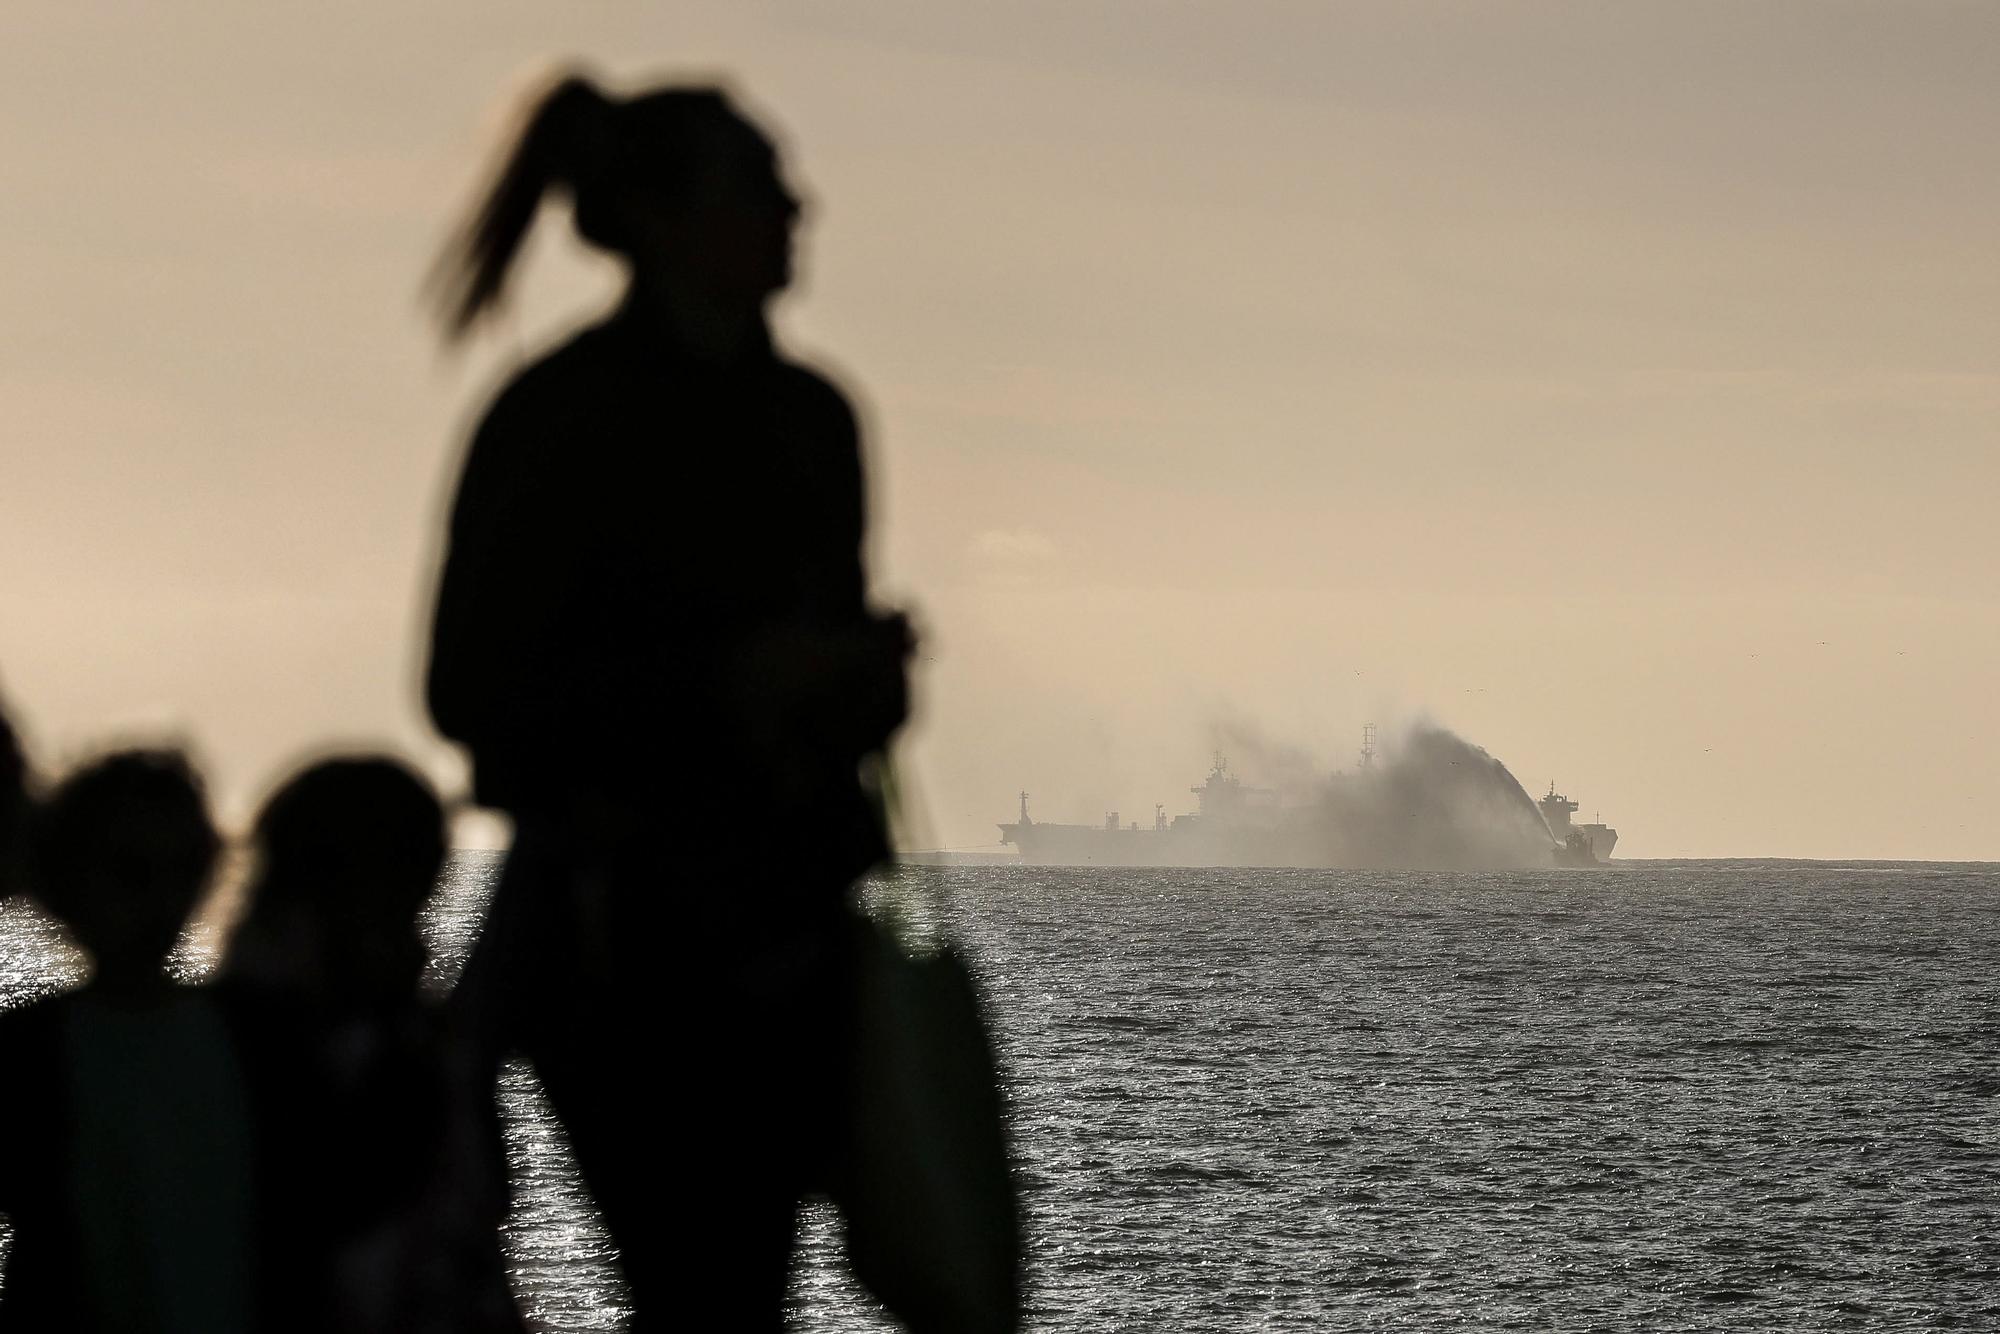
(1672, 1096)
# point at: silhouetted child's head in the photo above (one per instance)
(122, 852)
(350, 850)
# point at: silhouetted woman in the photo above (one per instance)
(653, 634)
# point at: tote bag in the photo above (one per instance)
(923, 1175)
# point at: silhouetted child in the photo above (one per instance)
(383, 1174)
(125, 1162)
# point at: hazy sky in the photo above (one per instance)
(1617, 384)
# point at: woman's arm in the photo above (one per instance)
(511, 565)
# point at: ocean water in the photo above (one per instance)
(1659, 1096)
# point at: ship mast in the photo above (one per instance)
(1367, 746)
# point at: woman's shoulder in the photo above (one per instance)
(816, 393)
(558, 380)
(541, 413)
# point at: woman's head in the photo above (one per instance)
(676, 181)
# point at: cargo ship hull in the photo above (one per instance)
(1092, 845)
(1439, 803)
(1468, 814)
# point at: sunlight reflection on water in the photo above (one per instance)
(1664, 1096)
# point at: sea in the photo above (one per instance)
(1658, 1096)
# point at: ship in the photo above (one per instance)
(1233, 824)
(1444, 805)
(1576, 844)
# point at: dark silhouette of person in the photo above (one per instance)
(654, 635)
(125, 1163)
(15, 804)
(382, 1176)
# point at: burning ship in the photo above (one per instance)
(1576, 844)
(1441, 804)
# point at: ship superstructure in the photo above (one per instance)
(1229, 814)
(1576, 844)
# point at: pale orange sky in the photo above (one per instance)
(1618, 385)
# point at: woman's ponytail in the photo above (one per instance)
(564, 141)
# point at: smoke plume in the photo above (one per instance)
(1430, 800)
